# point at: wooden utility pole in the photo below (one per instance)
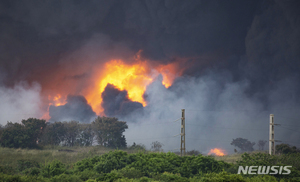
(182, 133)
(271, 136)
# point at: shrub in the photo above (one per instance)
(25, 164)
(170, 177)
(193, 152)
(7, 170)
(65, 178)
(128, 172)
(54, 168)
(111, 161)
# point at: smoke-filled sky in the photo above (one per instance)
(229, 64)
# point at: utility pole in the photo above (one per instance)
(271, 136)
(182, 133)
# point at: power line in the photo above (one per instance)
(289, 129)
(290, 125)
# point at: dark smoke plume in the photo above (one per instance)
(245, 64)
(116, 103)
(76, 109)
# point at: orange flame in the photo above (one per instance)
(169, 73)
(217, 152)
(133, 77)
(57, 100)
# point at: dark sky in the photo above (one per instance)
(35, 34)
(244, 53)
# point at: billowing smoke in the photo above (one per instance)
(76, 109)
(19, 102)
(245, 65)
(217, 110)
(116, 103)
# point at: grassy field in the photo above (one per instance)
(67, 155)
(229, 158)
(70, 155)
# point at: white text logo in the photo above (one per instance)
(264, 169)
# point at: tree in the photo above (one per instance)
(25, 135)
(135, 146)
(1, 129)
(86, 135)
(54, 134)
(109, 131)
(13, 136)
(243, 144)
(71, 133)
(286, 149)
(34, 129)
(156, 146)
(261, 144)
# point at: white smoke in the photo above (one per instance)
(22, 101)
(217, 111)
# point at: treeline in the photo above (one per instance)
(33, 133)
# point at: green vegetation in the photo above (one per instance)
(100, 164)
(62, 151)
(243, 144)
(23, 135)
(36, 133)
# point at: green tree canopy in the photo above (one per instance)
(25, 135)
(53, 134)
(243, 144)
(109, 131)
(286, 149)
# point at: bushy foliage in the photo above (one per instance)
(243, 144)
(7, 170)
(137, 147)
(109, 132)
(121, 166)
(193, 152)
(54, 168)
(152, 163)
(25, 135)
(31, 132)
(286, 149)
(25, 164)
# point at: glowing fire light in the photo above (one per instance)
(56, 100)
(133, 78)
(169, 73)
(217, 152)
